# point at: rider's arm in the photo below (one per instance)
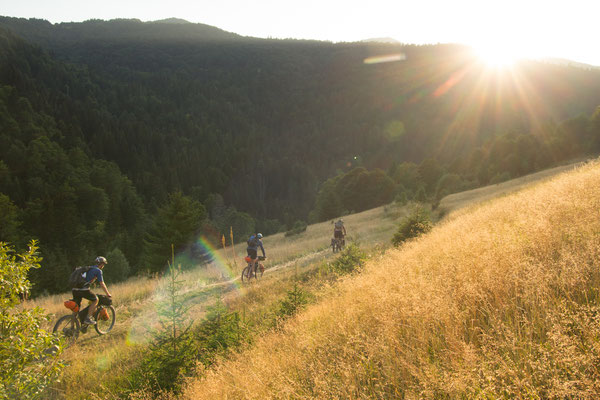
(344, 228)
(262, 248)
(103, 285)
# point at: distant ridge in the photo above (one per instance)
(571, 63)
(381, 40)
(171, 21)
(115, 30)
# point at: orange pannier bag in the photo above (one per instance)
(248, 259)
(103, 315)
(71, 305)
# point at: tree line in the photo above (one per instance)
(125, 143)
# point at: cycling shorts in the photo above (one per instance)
(252, 253)
(79, 294)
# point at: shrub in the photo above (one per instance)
(350, 259)
(417, 223)
(28, 353)
(295, 300)
(298, 228)
(220, 331)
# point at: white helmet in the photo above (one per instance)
(101, 260)
(259, 235)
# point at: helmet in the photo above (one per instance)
(101, 260)
(259, 235)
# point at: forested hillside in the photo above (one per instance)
(110, 129)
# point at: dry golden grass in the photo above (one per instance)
(499, 301)
(459, 200)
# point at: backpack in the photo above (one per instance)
(338, 225)
(76, 279)
(253, 241)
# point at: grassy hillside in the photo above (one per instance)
(499, 301)
(459, 200)
(99, 366)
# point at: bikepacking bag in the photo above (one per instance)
(104, 300)
(72, 305)
(103, 315)
(77, 279)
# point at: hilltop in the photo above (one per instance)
(73, 34)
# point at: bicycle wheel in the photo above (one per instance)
(246, 274)
(104, 326)
(260, 270)
(68, 327)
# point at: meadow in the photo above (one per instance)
(98, 366)
(499, 300)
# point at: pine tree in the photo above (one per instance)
(176, 223)
(172, 351)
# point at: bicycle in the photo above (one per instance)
(337, 244)
(258, 272)
(71, 325)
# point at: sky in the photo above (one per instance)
(501, 30)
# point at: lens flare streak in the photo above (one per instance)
(385, 59)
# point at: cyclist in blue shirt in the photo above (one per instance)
(94, 274)
(253, 244)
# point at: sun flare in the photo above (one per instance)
(498, 56)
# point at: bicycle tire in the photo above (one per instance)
(245, 277)
(260, 270)
(103, 327)
(68, 326)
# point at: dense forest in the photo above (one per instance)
(121, 137)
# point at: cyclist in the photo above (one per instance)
(93, 274)
(339, 230)
(253, 244)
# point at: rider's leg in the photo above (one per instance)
(253, 256)
(92, 308)
(88, 295)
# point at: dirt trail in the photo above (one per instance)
(301, 259)
(199, 294)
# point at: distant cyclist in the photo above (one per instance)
(339, 230)
(253, 244)
(91, 275)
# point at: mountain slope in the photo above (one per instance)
(498, 301)
(116, 30)
(264, 122)
(253, 129)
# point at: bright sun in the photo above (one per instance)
(499, 56)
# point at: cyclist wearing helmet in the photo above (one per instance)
(93, 274)
(339, 230)
(253, 244)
